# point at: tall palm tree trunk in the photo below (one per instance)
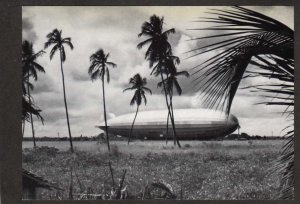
(172, 113)
(31, 120)
(172, 119)
(105, 120)
(167, 128)
(65, 100)
(137, 110)
(167, 132)
(23, 128)
(171, 106)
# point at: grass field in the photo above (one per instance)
(199, 170)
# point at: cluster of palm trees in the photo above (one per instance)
(160, 57)
(163, 63)
(30, 68)
(170, 70)
(159, 54)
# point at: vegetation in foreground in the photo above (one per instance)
(200, 170)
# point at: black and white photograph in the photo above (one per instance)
(157, 102)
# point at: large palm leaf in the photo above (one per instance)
(248, 37)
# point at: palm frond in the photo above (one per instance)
(48, 44)
(30, 108)
(144, 97)
(113, 65)
(53, 50)
(38, 54)
(184, 73)
(254, 44)
(92, 67)
(128, 89)
(95, 75)
(33, 73)
(168, 32)
(258, 40)
(133, 100)
(178, 88)
(147, 89)
(38, 67)
(67, 41)
(142, 44)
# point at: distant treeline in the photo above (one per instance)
(80, 138)
(245, 136)
(242, 136)
(83, 138)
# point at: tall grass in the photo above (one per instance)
(206, 170)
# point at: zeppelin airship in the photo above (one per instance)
(189, 123)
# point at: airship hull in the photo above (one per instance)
(189, 123)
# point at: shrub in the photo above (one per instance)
(187, 146)
(114, 151)
(50, 151)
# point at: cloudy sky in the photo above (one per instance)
(116, 29)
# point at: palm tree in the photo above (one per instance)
(30, 68)
(25, 84)
(28, 108)
(55, 38)
(138, 84)
(98, 69)
(157, 51)
(171, 81)
(261, 41)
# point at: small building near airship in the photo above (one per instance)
(189, 123)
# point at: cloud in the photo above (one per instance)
(115, 30)
(80, 76)
(28, 32)
(44, 84)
